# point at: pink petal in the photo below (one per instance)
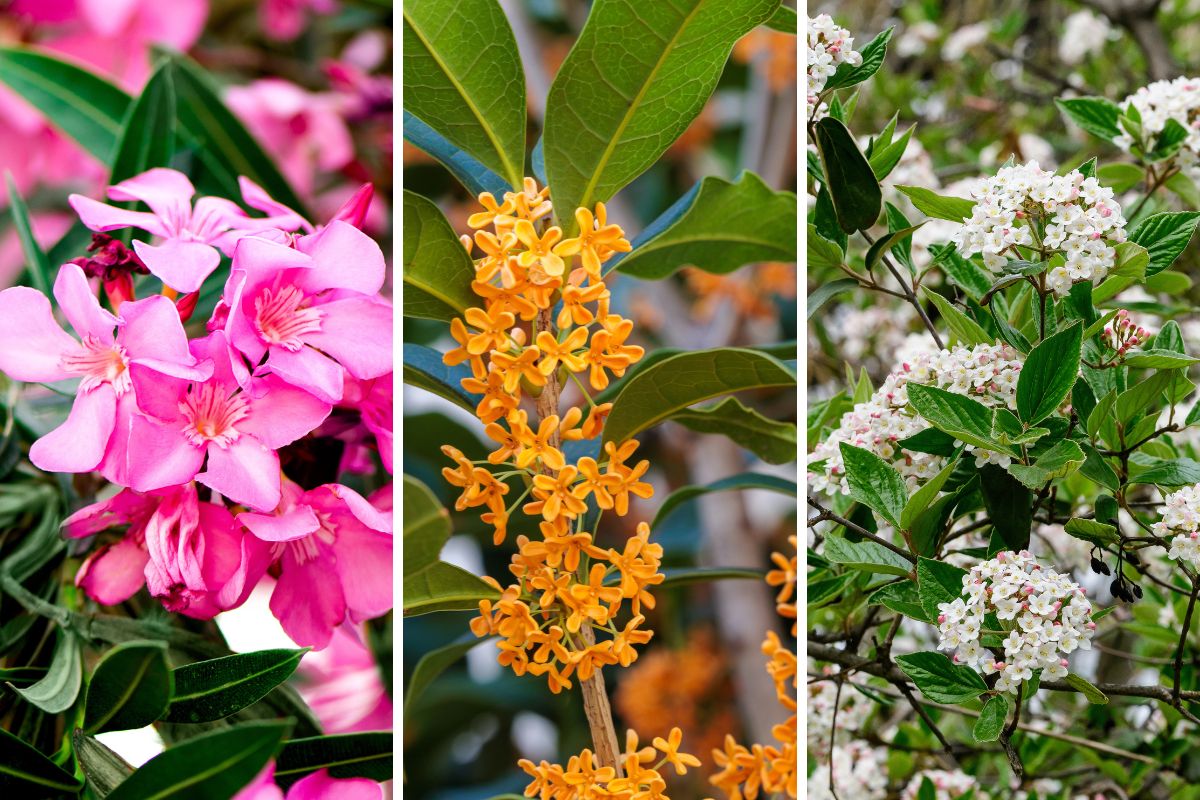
(320, 786)
(181, 265)
(262, 787)
(31, 343)
(115, 465)
(278, 215)
(163, 456)
(307, 604)
(158, 395)
(78, 445)
(113, 573)
(281, 413)
(246, 472)
(364, 565)
(309, 370)
(120, 509)
(80, 306)
(346, 258)
(253, 564)
(108, 17)
(153, 335)
(364, 511)
(357, 332)
(103, 217)
(167, 192)
(296, 523)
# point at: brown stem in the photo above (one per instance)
(595, 695)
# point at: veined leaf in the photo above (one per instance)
(444, 587)
(1048, 374)
(991, 719)
(748, 480)
(462, 165)
(874, 483)
(1165, 236)
(940, 680)
(463, 77)
(207, 691)
(660, 63)
(724, 226)
(866, 556)
(932, 204)
(130, 688)
(347, 755)
(25, 772)
(773, 441)
(56, 692)
(103, 768)
(937, 583)
(1096, 115)
(437, 270)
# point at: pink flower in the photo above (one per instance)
(34, 348)
(342, 685)
(191, 555)
(194, 237)
(229, 424)
(317, 786)
(311, 311)
(283, 20)
(373, 400)
(335, 560)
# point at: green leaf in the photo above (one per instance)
(965, 329)
(463, 77)
(937, 583)
(962, 272)
(637, 77)
(657, 392)
(211, 690)
(1165, 236)
(852, 186)
(724, 226)
(683, 576)
(1121, 177)
(747, 480)
(424, 368)
(437, 269)
(1096, 115)
(37, 264)
(939, 679)
(1093, 532)
(931, 204)
(1169, 472)
(1093, 695)
(25, 772)
(347, 755)
(82, 105)
(967, 420)
(1137, 398)
(823, 255)
(1009, 505)
(433, 664)
(426, 526)
(991, 719)
(130, 688)
(103, 768)
(1159, 359)
(470, 173)
(148, 135)
(56, 692)
(903, 598)
(885, 159)
(1048, 375)
(773, 441)
(885, 243)
(1095, 468)
(215, 764)
(865, 556)
(874, 483)
(925, 495)
(783, 20)
(1059, 461)
(872, 59)
(444, 587)
(827, 291)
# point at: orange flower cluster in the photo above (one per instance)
(750, 292)
(785, 578)
(688, 687)
(567, 588)
(773, 54)
(745, 771)
(583, 780)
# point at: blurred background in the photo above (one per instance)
(703, 671)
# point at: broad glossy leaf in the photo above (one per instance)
(773, 441)
(470, 173)
(148, 134)
(130, 688)
(1165, 236)
(849, 179)
(1048, 375)
(826, 292)
(444, 587)
(669, 385)
(1009, 505)
(437, 269)
(873, 53)
(347, 755)
(939, 679)
(25, 772)
(783, 20)
(748, 480)
(56, 692)
(902, 598)
(433, 664)
(426, 526)
(463, 77)
(958, 415)
(207, 691)
(937, 583)
(1169, 472)
(1059, 461)
(924, 496)
(866, 556)
(1089, 530)
(660, 63)
(215, 764)
(965, 329)
(874, 483)
(724, 226)
(991, 719)
(1096, 115)
(1084, 687)
(82, 105)
(424, 368)
(932, 204)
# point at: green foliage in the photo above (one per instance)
(437, 269)
(940, 680)
(207, 691)
(130, 688)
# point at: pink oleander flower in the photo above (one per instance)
(317, 786)
(284, 20)
(230, 425)
(190, 555)
(373, 401)
(33, 348)
(193, 236)
(342, 685)
(335, 560)
(311, 311)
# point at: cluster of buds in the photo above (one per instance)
(583, 778)
(1123, 334)
(567, 588)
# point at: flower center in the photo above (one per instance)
(281, 319)
(99, 363)
(212, 415)
(306, 549)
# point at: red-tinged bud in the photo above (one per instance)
(119, 288)
(186, 305)
(354, 210)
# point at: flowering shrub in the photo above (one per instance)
(539, 317)
(1003, 478)
(197, 395)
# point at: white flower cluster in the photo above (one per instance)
(987, 373)
(1181, 519)
(859, 771)
(829, 46)
(852, 711)
(1084, 33)
(1177, 99)
(1027, 206)
(1046, 614)
(947, 785)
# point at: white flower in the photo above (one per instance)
(1181, 519)
(1161, 101)
(859, 771)
(828, 46)
(947, 785)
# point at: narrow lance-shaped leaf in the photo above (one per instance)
(462, 165)
(748, 480)
(350, 755)
(37, 265)
(773, 441)
(424, 368)
(25, 772)
(56, 692)
(210, 690)
(130, 688)
(148, 135)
